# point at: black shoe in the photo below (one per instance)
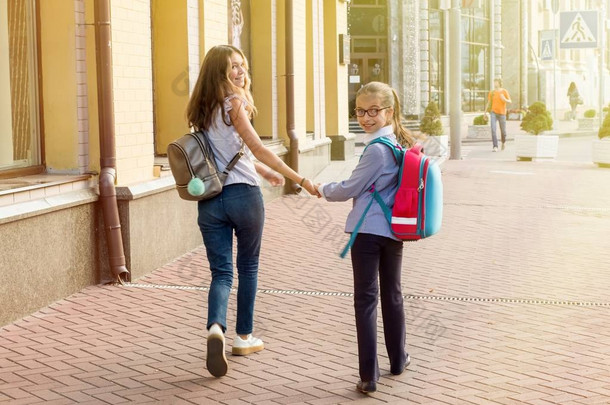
(399, 372)
(366, 386)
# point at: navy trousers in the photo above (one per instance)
(376, 262)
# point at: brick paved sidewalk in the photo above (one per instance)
(508, 304)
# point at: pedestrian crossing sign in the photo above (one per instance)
(578, 29)
(546, 49)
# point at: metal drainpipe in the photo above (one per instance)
(110, 210)
(290, 121)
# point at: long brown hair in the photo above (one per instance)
(388, 97)
(572, 87)
(213, 86)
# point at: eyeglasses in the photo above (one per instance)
(372, 112)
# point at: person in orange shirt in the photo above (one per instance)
(496, 106)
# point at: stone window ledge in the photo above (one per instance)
(34, 187)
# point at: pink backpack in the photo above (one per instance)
(418, 204)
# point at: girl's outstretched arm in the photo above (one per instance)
(241, 122)
(368, 170)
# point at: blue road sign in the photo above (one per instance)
(578, 29)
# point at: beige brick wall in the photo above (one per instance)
(216, 25)
(133, 101)
(274, 73)
(300, 66)
(318, 69)
(81, 80)
(342, 90)
(193, 42)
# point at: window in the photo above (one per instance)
(475, 58)
(368, 20)
(19, 144)
(437, 58)
(368, 30)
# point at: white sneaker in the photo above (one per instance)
(495, 149)
(242, 347)
(216, 361)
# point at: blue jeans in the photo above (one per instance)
(501, 118)
(240, 209)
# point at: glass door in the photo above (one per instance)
(363, 70)
(368, 30)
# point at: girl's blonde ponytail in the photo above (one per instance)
(403, 135)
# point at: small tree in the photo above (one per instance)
(431, 121)
(604, 130)
(537, 120)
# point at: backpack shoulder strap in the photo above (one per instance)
(352, 238)
(396, 150)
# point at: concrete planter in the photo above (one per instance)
(588, 123)
(342, 146)
(601, 152)
(514, 116)
(436, 145)
(479, 132)
(530, 147)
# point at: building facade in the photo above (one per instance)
(54, 229)
(552, 70)
(406, 43)
(64, 127)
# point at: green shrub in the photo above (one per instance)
(604, 130)
(431, 121)
(590, 113)
(480, 120)
(537, 120)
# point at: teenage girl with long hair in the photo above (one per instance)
(221, 105)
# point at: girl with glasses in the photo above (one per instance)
(376, 253)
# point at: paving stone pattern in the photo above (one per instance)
(508, 304)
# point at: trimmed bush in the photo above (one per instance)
(538, 119)
(604, 130)
(480, 120)
(431, 121)
(590, 113)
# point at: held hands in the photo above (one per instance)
(311, 188)
(317, 186)
(276, 180)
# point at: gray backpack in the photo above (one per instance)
(194, 167)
